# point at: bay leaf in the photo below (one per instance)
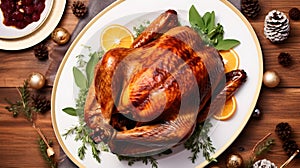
(70, 110)
(226, 44)
(195, 18)
(79, 78)
(90, 67)
(211, 23)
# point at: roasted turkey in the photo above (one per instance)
(148, 98)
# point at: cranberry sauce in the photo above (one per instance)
(20, 13)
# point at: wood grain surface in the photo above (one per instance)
(18, 140)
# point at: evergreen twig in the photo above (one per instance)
(43, 148)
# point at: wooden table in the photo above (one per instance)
(19, 147)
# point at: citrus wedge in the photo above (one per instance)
(114, 36)
(230, 59)
(227, 111)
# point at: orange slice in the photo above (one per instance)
(228, 110)
(230, 59)
(115, 36)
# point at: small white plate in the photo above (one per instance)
(10, 32)
(41, 32)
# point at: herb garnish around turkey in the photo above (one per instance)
(83, 76)
(200, 141)
(145, 160)
(212, 33)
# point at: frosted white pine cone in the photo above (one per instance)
(264, 163)
(276, 26)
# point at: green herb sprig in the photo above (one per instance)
(43, 148)
(212, 33)
(200, 141)
(145, 160)
(83, 76)
(140, 28)
(21, 106)
(82, 134)
(259, 150)
(28, 104)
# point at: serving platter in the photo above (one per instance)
(135, 12)
(14, 39)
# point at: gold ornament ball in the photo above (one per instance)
(60, 36)
(36, 80)
(234, 161)
(271, 79)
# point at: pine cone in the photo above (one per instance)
(276, 26)
(290, 147)
(264, 163)
(250, 8)
(294, 14)
(285, 59)
(41, 51)
(79, 9)
(283, 130)
(40, 103)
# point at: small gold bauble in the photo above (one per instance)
(271, 79)
(36, 80)
(60, 36)
(234, 161)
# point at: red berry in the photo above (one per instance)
(35, 17)
(21, 25)
(28, 9)
(40, 7)
(27, 2)
(17, 15)
(28, 19)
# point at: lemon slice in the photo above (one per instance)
(228, 110)
(114, 36)
(230, 59)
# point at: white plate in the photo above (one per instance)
(130, 13)
(9, 32)
(41, 32)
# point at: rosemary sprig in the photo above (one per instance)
(200, 141)
(82, 134)
(145, 160)
(140, 28)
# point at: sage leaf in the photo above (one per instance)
(211, 22)
(226, 44)
(207, 19)
(195, 19)
(80, 79)
(90, 67)
(70, 110)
